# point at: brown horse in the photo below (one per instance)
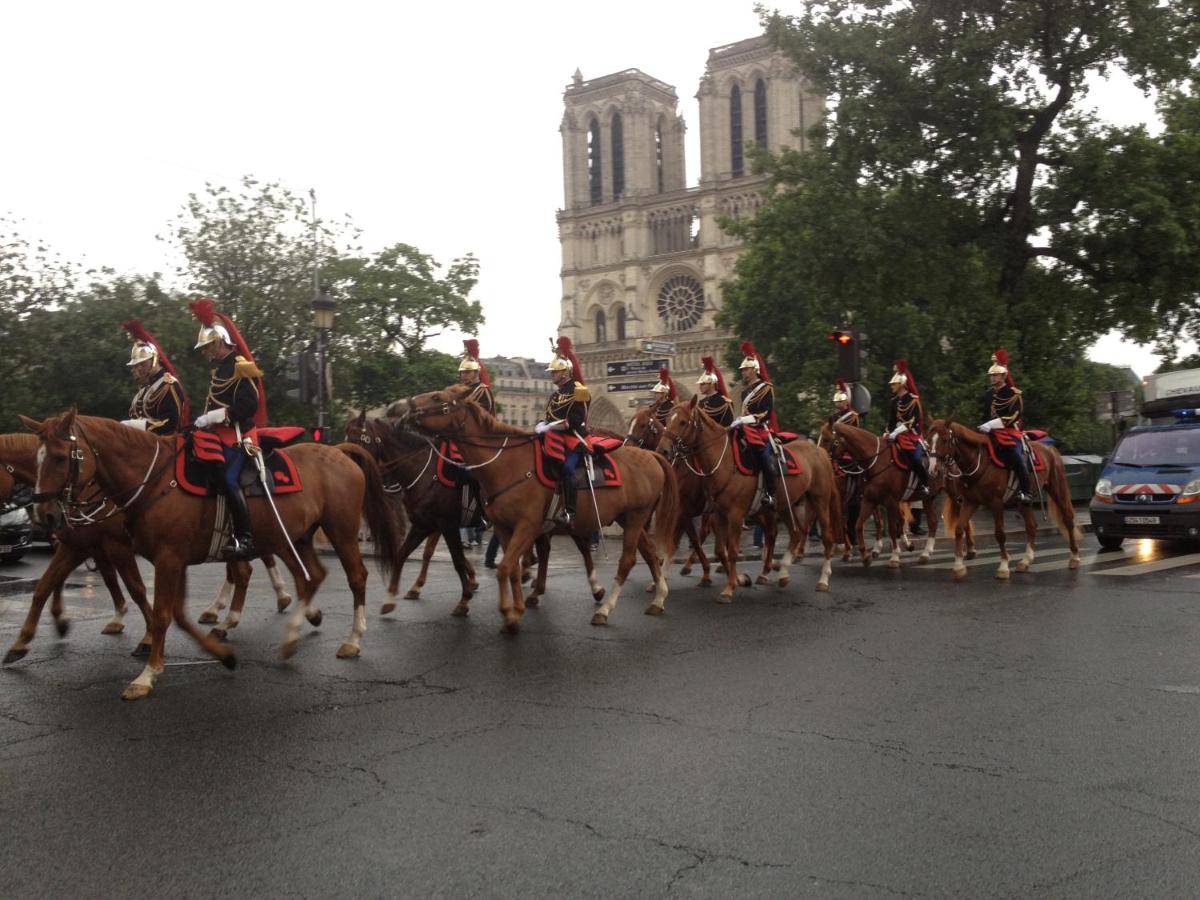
(518, 504)
(94, 530)
(645, 432)
(174, 530)
(984, 484)
(693, 434)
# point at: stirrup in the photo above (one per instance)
(237, 550)
(767, 501)
(563, 517)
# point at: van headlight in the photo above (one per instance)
(18, 516)
(1104, 487)
(1192, 488)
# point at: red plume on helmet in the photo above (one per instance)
(902, 368)
(567, 352)
(711, 366)
(748, 350)
(1001, 358)
(664, 375)
(472, 347)
(138, 332)
(840, 384)
(206, 311)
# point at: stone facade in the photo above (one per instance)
(520, 387)
(642, 254)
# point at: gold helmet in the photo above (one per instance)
(902, 375)
(841, 392)
(468, 365)
(999, 363)
(564, 358)
(470, 362)
(141, 352)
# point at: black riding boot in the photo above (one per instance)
(1026, 495)
(566, 515)
(241, 542)
(922, 490)
(770, 479)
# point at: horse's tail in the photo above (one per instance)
(950, 511)
(1058, 495)
(668, 511)
(383, 519)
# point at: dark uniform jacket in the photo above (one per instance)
(233, 387)
(719, 407)
(1005, 404)
(906, 409)
(160, 403)
(569, 403)
(758, 400)
(662, 410)
(482, 394)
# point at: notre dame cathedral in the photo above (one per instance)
(642, 254)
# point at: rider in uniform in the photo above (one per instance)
(757, 420)
(567, 411)
(160, 404)
(1003, 409)
(235, 406)
(714, 396)
(665, 395)
(471, 372)
(906, 421)
(844, 413)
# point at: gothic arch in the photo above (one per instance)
(603, 414)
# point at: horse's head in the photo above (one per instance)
(941, 440)
(681, 433)
(828, 436)
(434, 411)
(62, 466)
(644, 430)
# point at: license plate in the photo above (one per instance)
(1141, 520)
(6, 548)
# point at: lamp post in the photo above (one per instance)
(324, 309)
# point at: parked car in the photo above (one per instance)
(16, 532)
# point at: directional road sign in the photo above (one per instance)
(628, 386)
(634, 367)
(667, 347)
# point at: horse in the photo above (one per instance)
(692, 433)
(517, 503)
(983, 483)
(645, 432)
(97, 532)
(135, 471)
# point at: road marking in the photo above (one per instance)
(1057, 564)
(1158, 565)
(994, 558)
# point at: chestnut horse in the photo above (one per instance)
(984, 484)
(106, 542)
(645, 432)
(692, 433)
(174, 530)
(517, 503)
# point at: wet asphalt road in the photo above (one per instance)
(899, 736)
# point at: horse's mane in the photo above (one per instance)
(17, 444)
(401, 440)
(122, 435)
(490, 423)
(968, 435)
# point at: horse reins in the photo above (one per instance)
(73, 507)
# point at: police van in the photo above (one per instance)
(1150, 486)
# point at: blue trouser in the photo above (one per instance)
(235, 461)
(571, 463)
(916, 461)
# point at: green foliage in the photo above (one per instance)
(934, 211)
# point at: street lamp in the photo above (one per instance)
(324, 309)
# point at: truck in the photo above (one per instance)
(1150, 485)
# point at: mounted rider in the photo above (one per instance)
(665, 396)
(714, 396)
(567, 411)
(160, 405)
(236, 405)
(1003, 409)
(906, 422)
(843, 412)
(757, 420)
(472, 372)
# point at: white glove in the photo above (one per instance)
(899, 430)
(139, 424)
(736, 423)
(213, 417)
(989, 425)
(541, 427)
(747, 420)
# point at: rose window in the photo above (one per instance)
(680, 302)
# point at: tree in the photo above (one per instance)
(932, 213)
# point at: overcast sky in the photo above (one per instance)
(431, 125)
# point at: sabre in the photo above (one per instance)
(256, 455)
(779, 464)
(587, 463)
(1029, 458)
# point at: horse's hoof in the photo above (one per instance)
(461, 611)
(599, 619)
(135, 691)
(874, 554)
(866, 561)
(686, 570)
(207, 618)
(532, 601)
(140, 650)
(744, 580)
(315, 619)
(1074, 563)
(893, 564)
(822, 587)
(725, 597)
(762, 579)
(654, 610)
(785, 580)
(512, 626)
(387, 608)
(289, 648)
(219, 633)
(923, 558)
(348, 651)
(13, 655)
(598, 595)
(113, 628)
(960, 574)
(970, 554)
(282, 602)
(1022, 566)
(413, 595)
(705, 581)
(62, 626)
(229, 661)
(1001, 575)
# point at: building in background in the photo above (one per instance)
(521, 388)
(642, 255)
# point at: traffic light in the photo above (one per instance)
(317, 434)
(301, 376)
(849, 359)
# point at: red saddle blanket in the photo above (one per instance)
(448, 474)
(1006, 438)
(744, 466)
(553, 447)
(195, 473)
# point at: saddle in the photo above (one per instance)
(1007, 438)
(748, 465)
(551, 452)
(195, 473)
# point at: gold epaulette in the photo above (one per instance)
(1016, 390)
(582, 394)
(168, 378)
(244, 368)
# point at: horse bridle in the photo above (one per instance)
(679, 450)
(652, 426)
(952, 442)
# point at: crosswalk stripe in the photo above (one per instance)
(1157, 565)
(993, 558)
(1057, 564)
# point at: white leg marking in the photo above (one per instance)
(118, 617)
(231, 620)
(147, 678)
(826, 571)
(960, 567)
(1002, 569)
(277, 581)
(359, 629)
(291, 631)
(594, 583)
(610, 602)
